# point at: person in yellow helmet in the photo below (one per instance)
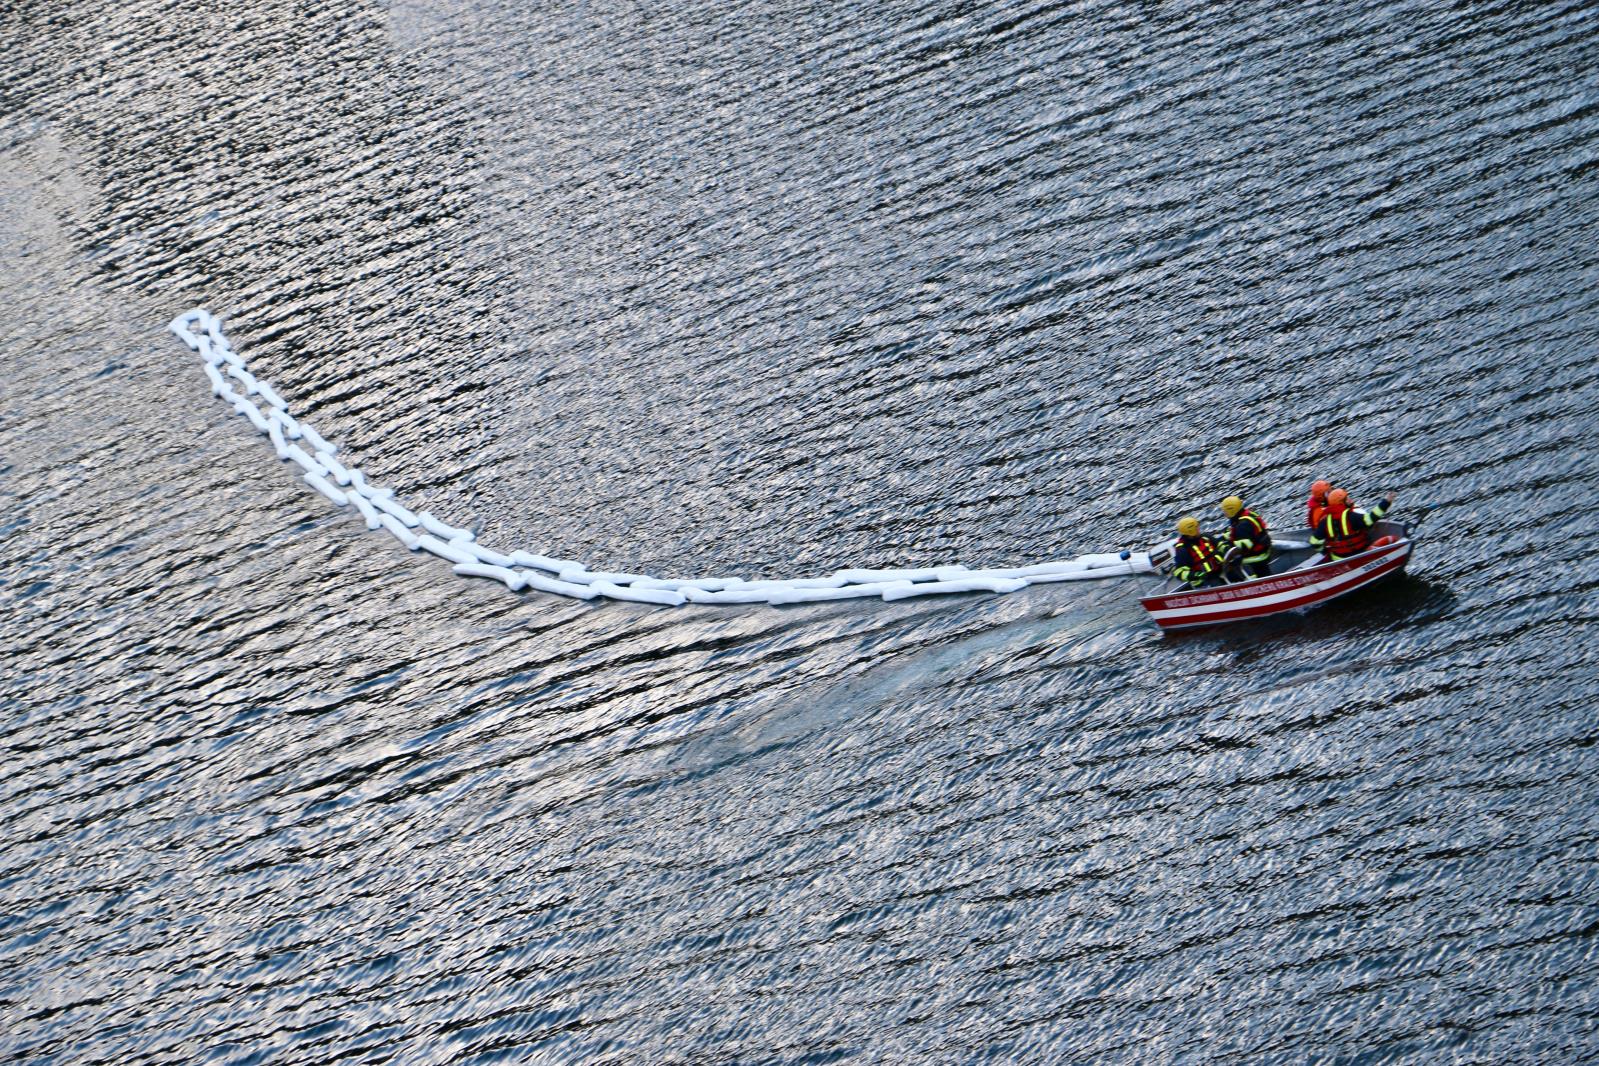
(1196, 560)
(1248, 537)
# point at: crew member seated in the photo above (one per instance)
(1196, 560)
(1345, 530)
(1316, 506)
(1249, 537)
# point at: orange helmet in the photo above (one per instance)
(1337, 499)
(1318, 488)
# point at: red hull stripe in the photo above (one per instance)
(1276, 588)
(1239, 613)
(1279, 593)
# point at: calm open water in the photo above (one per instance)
(768, 288)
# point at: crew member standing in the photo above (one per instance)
(1249, 536)
(1196, 559)
(1344, 530)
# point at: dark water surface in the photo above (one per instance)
(763, 288)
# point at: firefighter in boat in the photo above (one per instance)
(1196, 559)
(1316, 506)
(1247, 542)
(1344, 530)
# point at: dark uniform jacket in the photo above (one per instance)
(1195, 558)
(1249, 532)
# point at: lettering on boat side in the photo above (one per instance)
(1287, 583)
(1226, 595)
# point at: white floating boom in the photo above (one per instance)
(346, 487)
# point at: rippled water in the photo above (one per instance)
(763, 288)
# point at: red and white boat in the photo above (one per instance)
(1298, 580)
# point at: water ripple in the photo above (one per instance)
(783, 287)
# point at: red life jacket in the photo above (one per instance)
(1315, 509)
(1260, 536)
(1202, 550)
(1345, 532)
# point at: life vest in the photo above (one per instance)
(1346, 532)
(1204, 559)
(1315, 510)
(1253, 530)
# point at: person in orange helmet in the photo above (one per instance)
(1316, 506)
(1345, 530)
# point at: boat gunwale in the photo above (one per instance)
(1241, 600)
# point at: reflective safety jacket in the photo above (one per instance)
(1341, 534)
(1249, 532)
(1195, 558)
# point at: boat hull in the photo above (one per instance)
(1277, 593)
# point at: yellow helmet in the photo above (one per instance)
(1231, 506)
(1189, 526)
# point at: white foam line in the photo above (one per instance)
(253, 413)
(530, 561)
(512, 579)
(445, 550)
(485, 555)
(664, 597)
(366, 509)
(325, 487)
(737, 594)
(389, 507)
(309, 465)
(442, 530)
(291, 428)
(900, 591)
(340, 473)
(279, 445)
(560, 588)
(401, 533)
(846, 592)
(201, 331)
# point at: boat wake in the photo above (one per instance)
(345, 485)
